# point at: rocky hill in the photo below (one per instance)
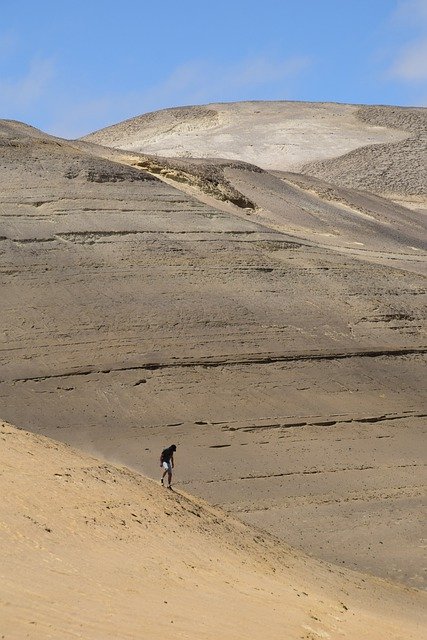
(270, 322)
(378, 149)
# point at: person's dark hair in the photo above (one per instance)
(173, 447)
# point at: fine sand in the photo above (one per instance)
(91, 550)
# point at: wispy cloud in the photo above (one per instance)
(410, 12)
(8, 44)
(198, 81)
(411, 63)
(21, 93)
(262, 70)
(203, 80)
(410, 60)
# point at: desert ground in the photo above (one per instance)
(96, 551)
(247, 281)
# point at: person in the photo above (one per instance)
(166, 462)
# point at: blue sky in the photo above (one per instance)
(71, 67)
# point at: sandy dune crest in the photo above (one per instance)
(95, 551)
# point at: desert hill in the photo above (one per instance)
(93, 550)
(336, 174)
(379, 149)
(269, 321)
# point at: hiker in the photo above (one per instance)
(166, 462)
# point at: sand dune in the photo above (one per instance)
(92, 550)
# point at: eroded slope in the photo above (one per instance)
(133, 312)
(272, 135)
(379, 149)
(397, 169)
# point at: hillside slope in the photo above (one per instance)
(95, 551)
(272, 135)
(397, 169)
(135, 308)
(374, 148)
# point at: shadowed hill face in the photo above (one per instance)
(133, 311)
(46, 162)
(398, 169)
(93, 550)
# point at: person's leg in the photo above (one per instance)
(166, 470)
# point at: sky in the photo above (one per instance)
(72, 67)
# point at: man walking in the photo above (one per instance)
(166, 462)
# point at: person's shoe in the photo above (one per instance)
(161, 481)
(169, 486)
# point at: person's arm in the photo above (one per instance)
(172, 463)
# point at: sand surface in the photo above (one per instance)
(271, 323)
(91, 550)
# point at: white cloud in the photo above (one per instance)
(23, 92)
(411, 12)
(411, 63)
(410, 60)
(196, 82)
(204, 81)
(8, 44)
